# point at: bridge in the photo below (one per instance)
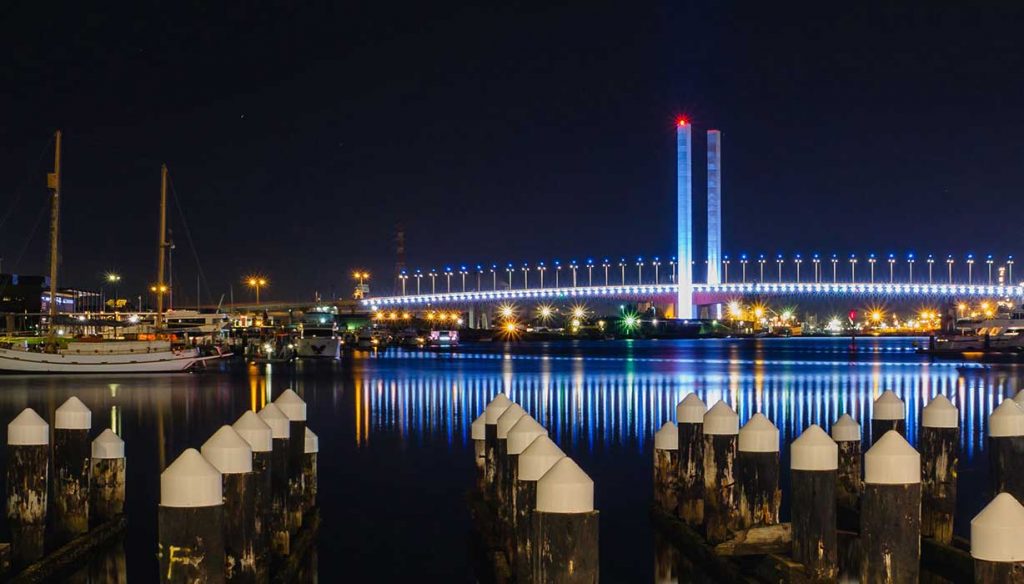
(672, 283)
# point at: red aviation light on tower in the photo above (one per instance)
(682, 122)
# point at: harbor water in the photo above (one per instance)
(396, 457)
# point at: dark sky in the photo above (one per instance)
(298, 138)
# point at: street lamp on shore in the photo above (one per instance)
(114, 279)
(257, 282)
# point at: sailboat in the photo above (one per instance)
(148, 353)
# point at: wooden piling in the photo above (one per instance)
(503, 474)
(997, 541)
(492, 412)
(939, 444)
(294, 408)
(888, 413)
(310, 472)
(890, 515)
(814, 461)
(231, 455)
(519, 438)
(721, 513)
(535, 460)
(690, 416)
(28, 449)
(1006, 448)
(190, 521)
(260, 438)
(757, 473)
(666, 467)
(107, 478)
(846, 434)
(566, 526)
(71, 449)
(479, 434)
(279, 535)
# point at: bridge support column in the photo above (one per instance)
(471, 316)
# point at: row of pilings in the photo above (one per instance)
(723, 482)
(232, 510)
(538, 503)
(87, 480)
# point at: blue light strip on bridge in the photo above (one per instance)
(820, 288)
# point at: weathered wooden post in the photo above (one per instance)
(28, 449)
(231, 455)
(294, 408)
(310, 473)
(106, 490)
(721, 513)
(565, 524)
(520, 437)
(260, 438)
(888, 413)
(534, 461)
(190, 521)
(997, 541)
(690, 415)
(666, 467)
(503, 476)
(492, 412)
(846, 434)
(1006, 448)
(280, 539)
(940, 451)
(890, 514)
(757, 473)
(71, 424)
(814, 461)
(479, 434)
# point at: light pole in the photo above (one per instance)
(760, 260)
(949, 265)
(606, 264)
(114, 279)
(419, 276)
(590, 271)
(835, 268)
(639, 270)
(988, 260)
(1009, 270)
(558, 272)
(798, 261)
(526, 276)
(494, 276)
(672, 269)
(725, 269)
(743, 267)
(573, 266)
(871, 266)
(778, 260)
(463, 271)
(892, 268)
(622, 268)
(479, 277)
(540, 268)
(970, 268)
(402, 277)
(448, 277)
(509, 269)
(655, 262)
(257, 282)
(853, 268)
(816, 259)
(433, 281)
(910, 267)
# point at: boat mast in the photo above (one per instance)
(161, 248)
(53, 183)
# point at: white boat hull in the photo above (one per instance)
(15, 361)
(318, 348)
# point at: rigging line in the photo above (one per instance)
(28, 240)
(20, 190)
(191, 244)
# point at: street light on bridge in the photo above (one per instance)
(910, 267)
(778, 260)
(540, 269)
(448, 276)
(892, 268)
(526, 276)
(479, 277)
(419, 276)
(835, 268)
(558, 271)
(433, 281)
(988, 260)
(639, 270)
(760, 260)
(798, 260)
(672, 269)
(494, 276)
(573, 266)
(743, 267)
(949, 265)
(970, 268)
(871, 266)
(509, 269)
(622, 268)
(590, 271)
(853, 268)
(656, 262)
(931, 262)
(817, 268)
(463, 271)
(725, 269)
(1009, 269)
(606, 264)
(402, 277)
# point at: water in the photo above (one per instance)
(396, 456)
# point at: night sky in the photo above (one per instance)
(298, 138)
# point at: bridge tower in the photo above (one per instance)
(684, 220)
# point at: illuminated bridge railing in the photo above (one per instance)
(706, 293)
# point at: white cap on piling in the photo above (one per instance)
(312, 442)
(108, 446)
(667, 438)
(812, 450)
(691, 410)
(28, 429)
(291, 405)
(565, 488)
(997, 533)
(892, 461)
(190, 481)
(940, 413)
(721, 420)
(508, 418)
(1007, 420)
(1019, 398)
(251, 427)
(228, 452)
(275, 418)
(524, 433)
(72, 415)
(888, 406)
(759, 434)
(496, 408)
(538, 457)
(846, 429)
(478, 427)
